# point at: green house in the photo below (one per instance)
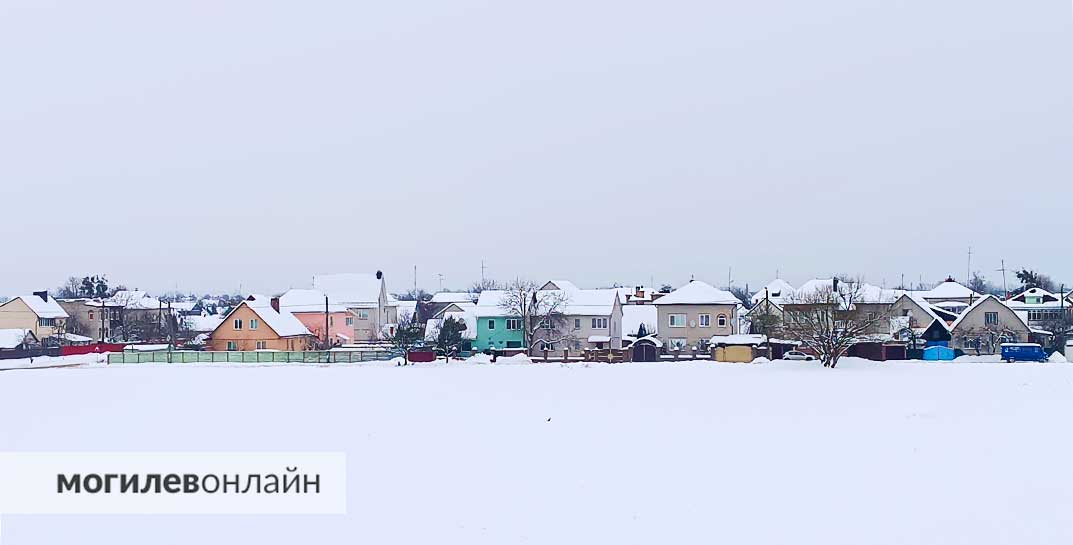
(494, 328)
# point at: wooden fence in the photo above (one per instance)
(322, 357)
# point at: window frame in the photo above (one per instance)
(704, 320)
(671, 317)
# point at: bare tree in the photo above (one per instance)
(408, 333)
(829, 320)
(484, 284)
(985, 339)
(540, 312)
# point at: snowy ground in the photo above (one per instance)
(779, 453)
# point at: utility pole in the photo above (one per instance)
(482, 271)
(441, 280)
(326, 324)
(1005, 290)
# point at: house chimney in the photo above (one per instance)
(42, 294)
(379, 275)
(638, 292)
(275, 304)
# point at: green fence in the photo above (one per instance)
(324, 357)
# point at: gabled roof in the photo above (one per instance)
(697, 292)
(349, 288)
(283, 323)
(300, 300)
(41, 307)
(490, 302)
(776, 291)
(454, 297)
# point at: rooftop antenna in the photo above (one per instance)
(441, 280)
(968, 267)
(482, 271)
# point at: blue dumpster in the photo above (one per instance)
(938, 353)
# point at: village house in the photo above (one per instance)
(365, 296)
(985, 325)
(920, 322)
(1041, 308)
(461, 311)
(319, 315)
(94, 318)
(39, 313)
(590, 319)
(497, 329)
(692, 314)
(257, 324)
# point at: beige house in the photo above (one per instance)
(984, 326)
(257, 324)
(91, 317)
(365, 297)
(38, 312)
(692, 314)
(590, 319)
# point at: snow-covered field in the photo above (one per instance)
(779, 453)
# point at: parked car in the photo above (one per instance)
(796, 355)
(1023, 352)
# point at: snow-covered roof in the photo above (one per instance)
(599, 339)
(697, 292)
(454, 297)
(777, 291)
(599, 302)
(464, 306)
(302, 300)
(635, 315)
(739, 339)
(866, 294)
(71, 337)
(405, 308)
(949, 290)
(42, 308)
(560, 284)
(349, 288)
(184, 306)
(134, 300)
(203, 323)
(10, 338)
(283, 323)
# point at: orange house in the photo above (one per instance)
(257, 324)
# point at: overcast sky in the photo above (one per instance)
(206, 145)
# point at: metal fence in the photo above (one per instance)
(323, 357)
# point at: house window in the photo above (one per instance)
(599, 323)
(91, 315)
(513, 324)
(546, 324)
(262, 345)
(705, 320)
(254, 324)
(331, 321)
(514, 344)
(676, 320)
(349, 320)
(990, 318)
(231, 346)
(238, 325)
(363, 314)
(491, 324)
(577, 323)
(722, 320)
(678, 343)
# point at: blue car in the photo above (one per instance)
(1023, 352)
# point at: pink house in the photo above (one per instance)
(309, 307)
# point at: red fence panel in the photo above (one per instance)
(90, 349)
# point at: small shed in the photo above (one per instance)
(939, 353)
(736, 348)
